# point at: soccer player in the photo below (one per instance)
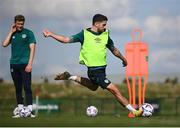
(94, 42)
(22, 42)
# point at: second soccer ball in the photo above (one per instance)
(91, 111)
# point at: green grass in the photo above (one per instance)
(72, 90)
(54, 120)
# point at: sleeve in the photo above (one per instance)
(31, 38)
(79, 37)
(110, 45)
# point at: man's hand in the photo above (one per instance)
(117, 53)
(47, 33)
(13, 28)
(28, 68)
(124, 63)
(6, 41)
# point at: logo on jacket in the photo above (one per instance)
(98, 40)
(24, 36)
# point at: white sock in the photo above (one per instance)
(30, 107)
(73, 78)
(130, 108)
(20, 105)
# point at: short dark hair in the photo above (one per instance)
(99, 18)
(19, 18)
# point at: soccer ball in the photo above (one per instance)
(16, 111)
(91, 111)
(147, 109)
(24, 112)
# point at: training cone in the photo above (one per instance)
(131, 115)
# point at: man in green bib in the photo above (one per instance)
(94, 42)
(22, 42)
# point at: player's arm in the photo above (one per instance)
(6, 41)
(116, 52)
(60, 38)
(32, 47)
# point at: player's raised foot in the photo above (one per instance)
(138, 113)
(63, 76)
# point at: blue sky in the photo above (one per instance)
(159, 20)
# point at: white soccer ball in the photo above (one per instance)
(24, 112)
(147, 109)
(16, 111)
(91, 111)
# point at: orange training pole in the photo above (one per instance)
(137, 69)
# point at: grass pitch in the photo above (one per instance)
(7, 103)
(63, 120)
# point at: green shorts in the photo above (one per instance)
(97, 75)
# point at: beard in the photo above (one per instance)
(101, 30)
(19, 28)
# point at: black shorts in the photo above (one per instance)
(97, 75)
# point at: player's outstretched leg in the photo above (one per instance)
(81, 80)
(122, 100)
